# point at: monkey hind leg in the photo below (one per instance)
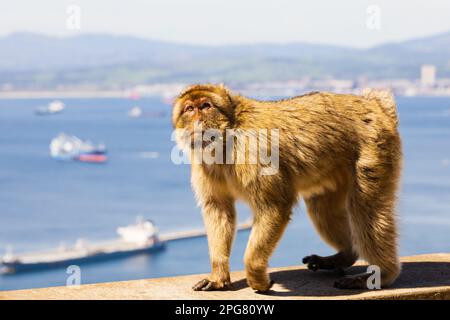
(330, 218)
(371, 204)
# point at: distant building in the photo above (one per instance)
(428, 75)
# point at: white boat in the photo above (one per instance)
(52, 108)
(133, 239)
(135, 112)
(139, 232)
(70, 147)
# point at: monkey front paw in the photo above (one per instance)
(260, 287)
(209, 285)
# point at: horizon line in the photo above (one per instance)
(218, 45)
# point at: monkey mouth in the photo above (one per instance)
(200, 144)
(197, 134)
(197, 141)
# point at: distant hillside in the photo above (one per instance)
(31, 60)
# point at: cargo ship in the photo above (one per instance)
(70, 147)
(140, 237)
(133, 239)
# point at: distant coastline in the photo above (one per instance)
(48, 94)
(166, 92)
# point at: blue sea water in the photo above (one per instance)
(44, 202)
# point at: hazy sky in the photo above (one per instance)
(235, 21)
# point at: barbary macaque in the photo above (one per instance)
(341, 153)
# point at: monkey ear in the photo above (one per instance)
(227, 92)
(231, 97)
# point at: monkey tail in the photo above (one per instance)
(386, 100)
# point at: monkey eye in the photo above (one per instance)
(188, 108)
(206, 106)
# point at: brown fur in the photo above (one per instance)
(341, 153)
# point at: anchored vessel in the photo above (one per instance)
(52, 108)
(141, 237)
(69, 147)
(135, 112)
(136, 238)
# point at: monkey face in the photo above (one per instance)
(203, 109)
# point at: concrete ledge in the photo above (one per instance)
(423, 277)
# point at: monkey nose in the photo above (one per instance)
(197, 125)
(197, 116)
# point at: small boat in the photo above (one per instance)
(53, 107)
(149, 155)
(69, 147)
(135, 112)
(141, 237)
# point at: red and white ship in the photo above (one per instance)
(69, 147)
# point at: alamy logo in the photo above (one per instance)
(73, 21)
(373, 21)
(374, 280)
(231, 146)
(74, 278)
